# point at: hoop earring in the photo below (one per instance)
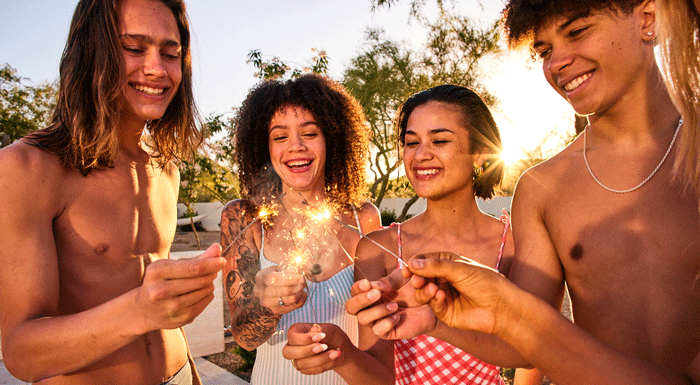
(478, 170)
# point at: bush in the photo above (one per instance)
(248, 358)
(388, 217)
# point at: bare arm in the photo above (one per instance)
(254, 294)
(38, 341)
(251, 323)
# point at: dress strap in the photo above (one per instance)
(357, 220)
(398, 238)
(505, 218)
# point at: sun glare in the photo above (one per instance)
(511, 154)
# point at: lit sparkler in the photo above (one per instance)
(324, 211)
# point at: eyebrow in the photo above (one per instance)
(431, 132)
(149, 40)
(564, 25)
(281, 126)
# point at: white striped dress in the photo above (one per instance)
(325, 304)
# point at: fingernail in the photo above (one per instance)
(373, 295)
(318, 337)
(319, 348)
(334, 354)
(417, 263)
(392, 306)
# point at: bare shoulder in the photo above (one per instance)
(171, 172)
(235, 216)
(370, 219)
(23, 158)
(543, 180)
(25, 169)
(237, 209)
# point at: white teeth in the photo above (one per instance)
(298, 163)
(149, 90)
(432, 171)
(576, 82)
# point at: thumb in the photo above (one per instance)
(214, 251)
(437, 268)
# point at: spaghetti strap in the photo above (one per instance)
(357, 220)
(398, 237)
(505, 218)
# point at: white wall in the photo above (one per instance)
(213, 210)
(492, 206)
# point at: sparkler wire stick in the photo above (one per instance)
(401, 261)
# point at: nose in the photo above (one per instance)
(558, 60)
(297, 143)
(153, 64)
(424, 151)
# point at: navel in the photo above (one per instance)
(576, 252)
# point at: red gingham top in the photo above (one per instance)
(428, 360)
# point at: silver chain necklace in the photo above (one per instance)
(668, 150)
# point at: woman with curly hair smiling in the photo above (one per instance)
(299, 143)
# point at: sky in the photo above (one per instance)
(33, 34)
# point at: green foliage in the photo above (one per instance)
(274, 68)
(208, 175)
(23, 108)
(388, 217)
(248, 358)
(385, 73)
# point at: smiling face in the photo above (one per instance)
(152, 56)
(436, 152)
(297, 150)
(594, 60)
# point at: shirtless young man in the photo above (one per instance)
(630, 259)
(87, 292)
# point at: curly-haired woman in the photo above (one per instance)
(312, 133)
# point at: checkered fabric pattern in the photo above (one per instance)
(428, 360)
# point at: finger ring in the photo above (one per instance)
(280, 301)
(294, 365)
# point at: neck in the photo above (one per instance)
(456, 214)
(644, 112)
(129, 136)
(297, 198)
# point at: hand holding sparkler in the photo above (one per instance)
(389, 307)
(280, 289)
(462, 293)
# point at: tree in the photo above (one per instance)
(274, 68)
(386, 73)
(23, 108)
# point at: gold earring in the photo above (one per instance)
(478, 170)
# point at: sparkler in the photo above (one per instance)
(324, 211)
(265, 214)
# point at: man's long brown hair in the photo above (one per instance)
(83, 131)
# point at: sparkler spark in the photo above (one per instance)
(324, 211)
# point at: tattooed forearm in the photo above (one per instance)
(252, 323)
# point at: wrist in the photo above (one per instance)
(512, 315)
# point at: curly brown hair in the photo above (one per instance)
(521, 18)
(477, 120)
(83, 132)
(339, 116)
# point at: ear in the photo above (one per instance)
(647, 12)
(481, 158)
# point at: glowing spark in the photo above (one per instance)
(265, 213)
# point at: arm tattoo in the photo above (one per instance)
(252, 322)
